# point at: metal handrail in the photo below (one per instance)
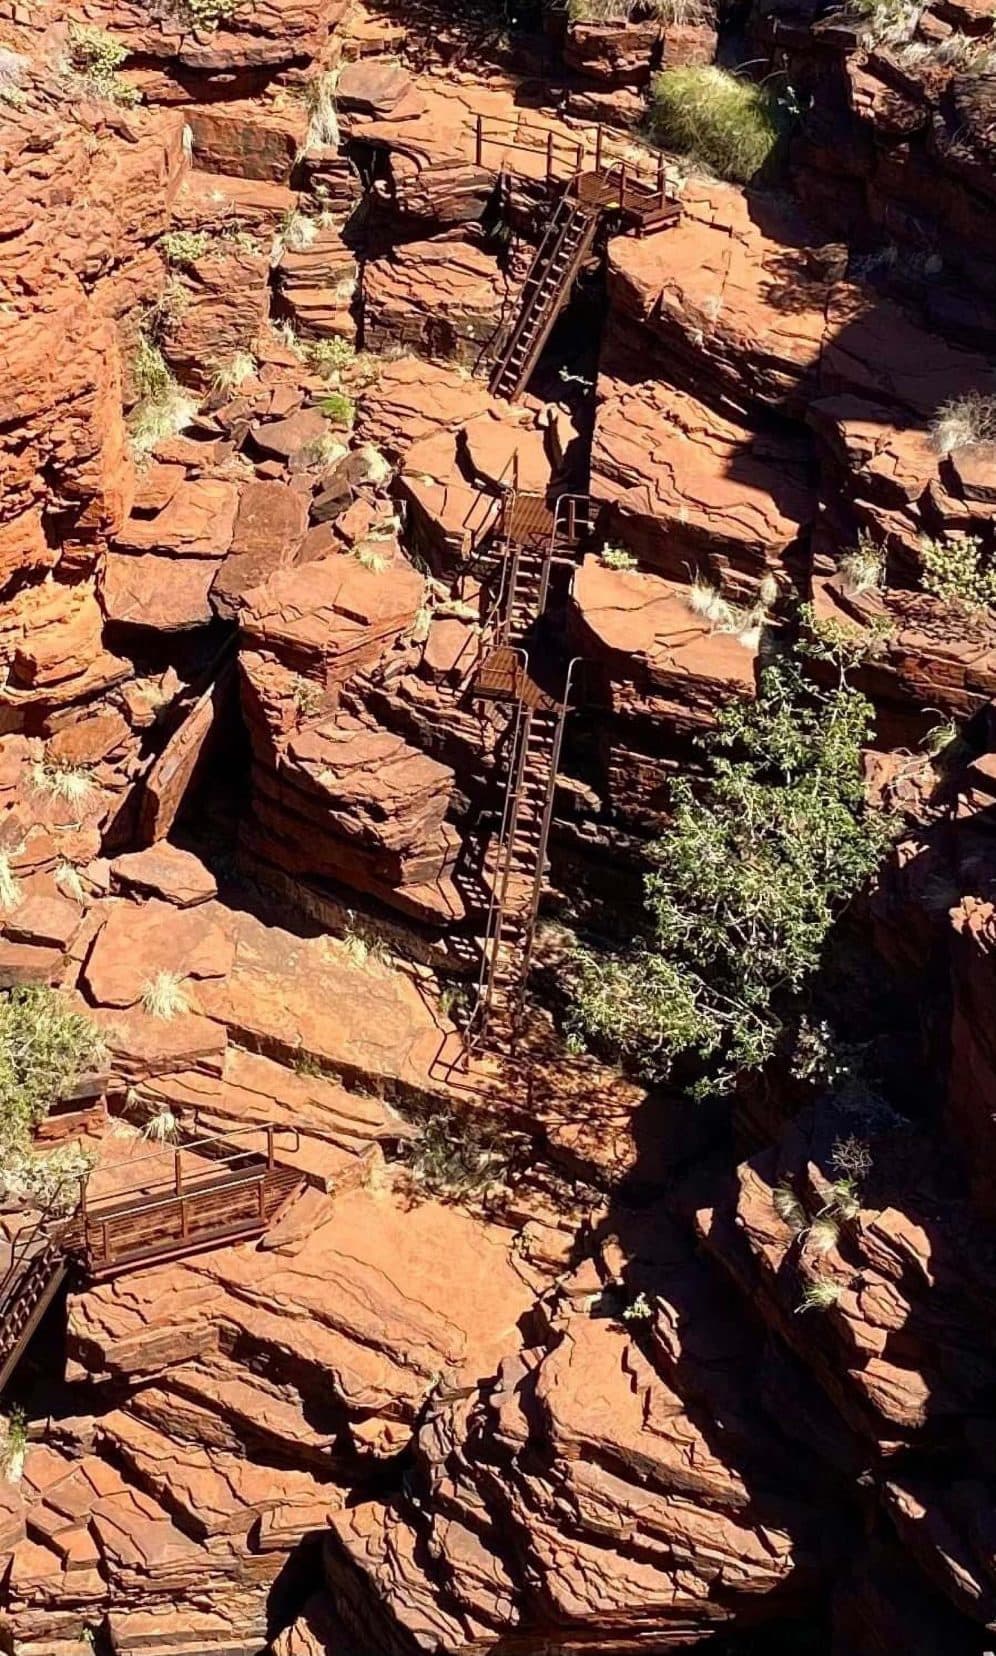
(543, 311)
(20, 1251)
(548, 141)
(180, 1186)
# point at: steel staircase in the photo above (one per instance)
(533, 535)
(565, 245)
(33, 1279)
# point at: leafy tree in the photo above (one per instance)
(745, 887)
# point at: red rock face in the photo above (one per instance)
(587, 1403)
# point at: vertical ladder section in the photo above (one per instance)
(551, 275)
(519, 863)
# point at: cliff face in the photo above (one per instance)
(532, 1362)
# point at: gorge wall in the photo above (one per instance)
(527, 1366)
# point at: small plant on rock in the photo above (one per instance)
(852, 1158)
(68, 880)
(599, 11)
(233, 373)
(823, 1234)
(789, 1208)
(308, 696)
(639, 1310)
(185, 247)
(162, 409)
(616, 557)
(324, 451)
(297, 232)
(843, 643)
(339, 408)
(843, 1200)
(370, 558)
(964, 54)
(71, 783)
(202, 15)
(323, 118)
(363, 951)
(885, 22)
(329, 356)
(820, 1295)
(10, 885)
(13, 66)
(13, 1445)
(164, 996)
(862, 569)
(455, 1155)
(965, 421)
(959, 572)
(94, 59)
(162, 1127)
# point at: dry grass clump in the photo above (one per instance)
(164, 996)
(862, 568)
(964, 421)
(964, 54)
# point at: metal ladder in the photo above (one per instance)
(516, 862)
(551, 275)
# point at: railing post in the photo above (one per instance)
(549, 155)
(598, 148)
(177, 1174)
(479, 147)
(269, 1145)
(622, 185)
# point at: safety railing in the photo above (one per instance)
(561, 158)
(231, 1198)
(181, 1181)
(630, 180)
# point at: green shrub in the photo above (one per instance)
(959, 572)
(328, 356)
(729, 125)
(841, 642)
(185, 247)
(162, 409)
(339, 408)
(745, 888)
(454, 1155)
(599, 11)
(885, 22)
(95, 57)
(616, 557)
(204, 15)
(44, 1046)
